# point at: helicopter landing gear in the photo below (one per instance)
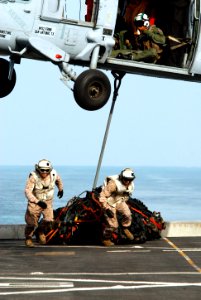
(92, 89)
(6, 84)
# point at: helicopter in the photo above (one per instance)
(82, 32)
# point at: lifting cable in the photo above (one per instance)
(117, 82)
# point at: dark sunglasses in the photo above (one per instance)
(44, 170)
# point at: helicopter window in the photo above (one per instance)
(6, 1)
(76, 10)
(174, 17)
(88, 16)
(20, 1)
(72, 11)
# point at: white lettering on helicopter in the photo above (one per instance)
(5, 34)
(45, 30)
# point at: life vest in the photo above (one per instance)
(44, 190)
(122, 193)
(152, 38)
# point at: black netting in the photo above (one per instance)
(82, 222)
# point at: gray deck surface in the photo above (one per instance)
(154, 270)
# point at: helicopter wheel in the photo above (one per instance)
(6, 85)
(92, 89)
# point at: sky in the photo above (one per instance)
(156, 122)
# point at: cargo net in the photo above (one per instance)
(82, 222)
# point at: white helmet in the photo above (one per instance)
(127, 174)
(141, 20)
(45, 165)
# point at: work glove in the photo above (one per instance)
(109, 213)
(60, 194)
(42, 204)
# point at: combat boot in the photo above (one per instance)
(29, 243)
(108, 243)
(42, 239)
(128, 234)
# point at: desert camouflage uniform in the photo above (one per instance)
(34, 211)
(116, 202)
(150, 44)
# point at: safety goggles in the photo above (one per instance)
(128, 179)
(44, 170)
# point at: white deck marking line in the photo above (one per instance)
(54, 253)
(128, 251)
(36, 285)
(117, 274)
(5, 276)
(65, 281)
(32, 278)
(159, 248)
(77, 246)
(117, 287)
(186, 257)
(96, 247)
(186, 250)
(99, 247)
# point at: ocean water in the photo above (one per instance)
(174, 192)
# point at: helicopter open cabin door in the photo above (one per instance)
(195, 67)
(53, 10)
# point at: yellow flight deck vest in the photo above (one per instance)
(44, 190)
(122, 193)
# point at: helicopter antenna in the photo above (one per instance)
(117, 82)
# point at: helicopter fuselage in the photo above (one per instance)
(75, 32)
